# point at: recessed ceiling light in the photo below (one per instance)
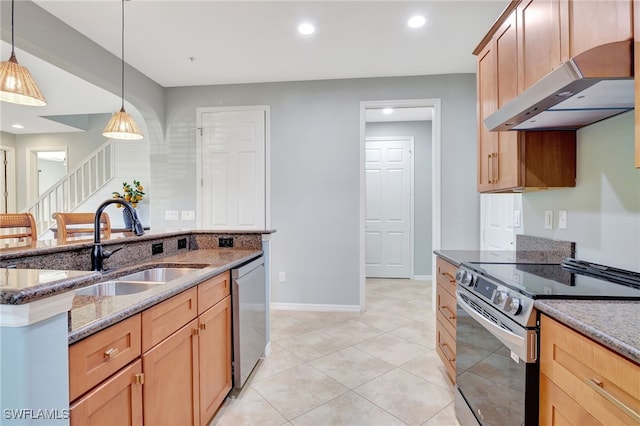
(306, 28)
(416, 21)
(17, 126)
(387, 111)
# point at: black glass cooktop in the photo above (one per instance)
(571, 280)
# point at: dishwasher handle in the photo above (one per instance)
(246, 268)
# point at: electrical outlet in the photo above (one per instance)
(225, 242)
(157, 248)
(188, 215)
(516, 219)
(282, 277)
(562, 219)
(182, 243)
(171, 215)
(548, 219)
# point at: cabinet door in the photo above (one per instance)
(117, 401)
(170, 390)
(487, 104)
(215, 358)
(538, 39)
(593, 23)
(556, 408)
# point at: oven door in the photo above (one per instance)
(496, 369)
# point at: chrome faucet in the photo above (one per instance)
(97, 254)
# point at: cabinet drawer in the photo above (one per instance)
(556, 408)
(596, 378)
(446, 348)
(213, 290)
(160, 321)
(99, 356)
(117, 401)
(446, 306)
(446, 275)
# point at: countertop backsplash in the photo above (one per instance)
(550, 251)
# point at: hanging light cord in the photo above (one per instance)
(12, 42)
(122, 39)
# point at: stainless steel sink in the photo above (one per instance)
(115, 288)
(157, 275)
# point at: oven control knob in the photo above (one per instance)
(513, 306)
(460, 273)
(500, 297)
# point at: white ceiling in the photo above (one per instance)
(257, 41)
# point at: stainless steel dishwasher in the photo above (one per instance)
(249, 306)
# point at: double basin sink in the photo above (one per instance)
(135, 282)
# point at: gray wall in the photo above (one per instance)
(421, 132)
(315, 176)
(604, 207)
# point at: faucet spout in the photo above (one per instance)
(97, 254)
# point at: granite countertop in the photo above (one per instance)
(90, 314)
(614, 323)
(497, 256)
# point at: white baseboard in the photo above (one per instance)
(314, 307)
(422, 277)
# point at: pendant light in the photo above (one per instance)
(16, 84)
(122, 125)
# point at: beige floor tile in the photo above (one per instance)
(383, 320)
(349, 409)
(352, 367)
(245, 409)
(298, 390)
(412, 311)
(312, 345)
(429, 367)
(446, 417)
(380, 300)
(351, 332)
(391, 349)
(320, 319)
(419, 332)
(410, 398)
(283, 328)
(278, 361)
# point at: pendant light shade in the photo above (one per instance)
(122, 125)
(16, 84)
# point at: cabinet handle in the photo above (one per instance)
(195, 331)
(597, 385)
(496, 168)
(111, 353)
(450, 277)
(489, 169)
(444, 348)
(139, 379)
(203, 326)
(447, 312)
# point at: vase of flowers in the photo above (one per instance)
(132, 194)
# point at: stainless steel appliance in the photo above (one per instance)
(497, 331)
(248, 301)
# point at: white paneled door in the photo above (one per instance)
(388, 233)
(233, 168)
(497, 217)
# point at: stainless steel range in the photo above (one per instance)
(497, 331)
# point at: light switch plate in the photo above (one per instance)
(516, 219)
(171, 215)
(188, 215)
(548, 219)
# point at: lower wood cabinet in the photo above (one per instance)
(171, 379)
(165, 366)
(446, 311)
(583, 382)
(117, 401)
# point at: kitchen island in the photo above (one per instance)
(40, 315)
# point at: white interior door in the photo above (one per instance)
(388, 181)
(233, 168)
(497, 213)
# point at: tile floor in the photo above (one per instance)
(326, 368)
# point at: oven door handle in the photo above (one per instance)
(514, 342)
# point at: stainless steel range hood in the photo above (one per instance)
(590, 87)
